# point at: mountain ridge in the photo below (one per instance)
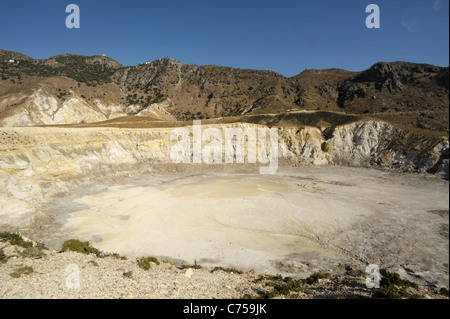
(411, 94)
(6, 53)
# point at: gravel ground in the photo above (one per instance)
(71, 275)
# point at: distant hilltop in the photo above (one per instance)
(97, 88)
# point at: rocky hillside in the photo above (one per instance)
(68, 89)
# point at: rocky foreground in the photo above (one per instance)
(30, 271)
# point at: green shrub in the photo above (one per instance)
(327, 148)
(229, 270)
(390, 279)
(27, 270)
(194, 266)
(394, 287)
(314, 278)
(392, 292)
(276, 278)
(15, 239)
(3, 257)
(281, 287)
(144, 262)
(128, 274)
(114, 255)
(79, 247)
(32, 252)
(285, 288)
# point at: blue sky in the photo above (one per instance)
(283, 36)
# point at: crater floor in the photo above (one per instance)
(300, 219)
